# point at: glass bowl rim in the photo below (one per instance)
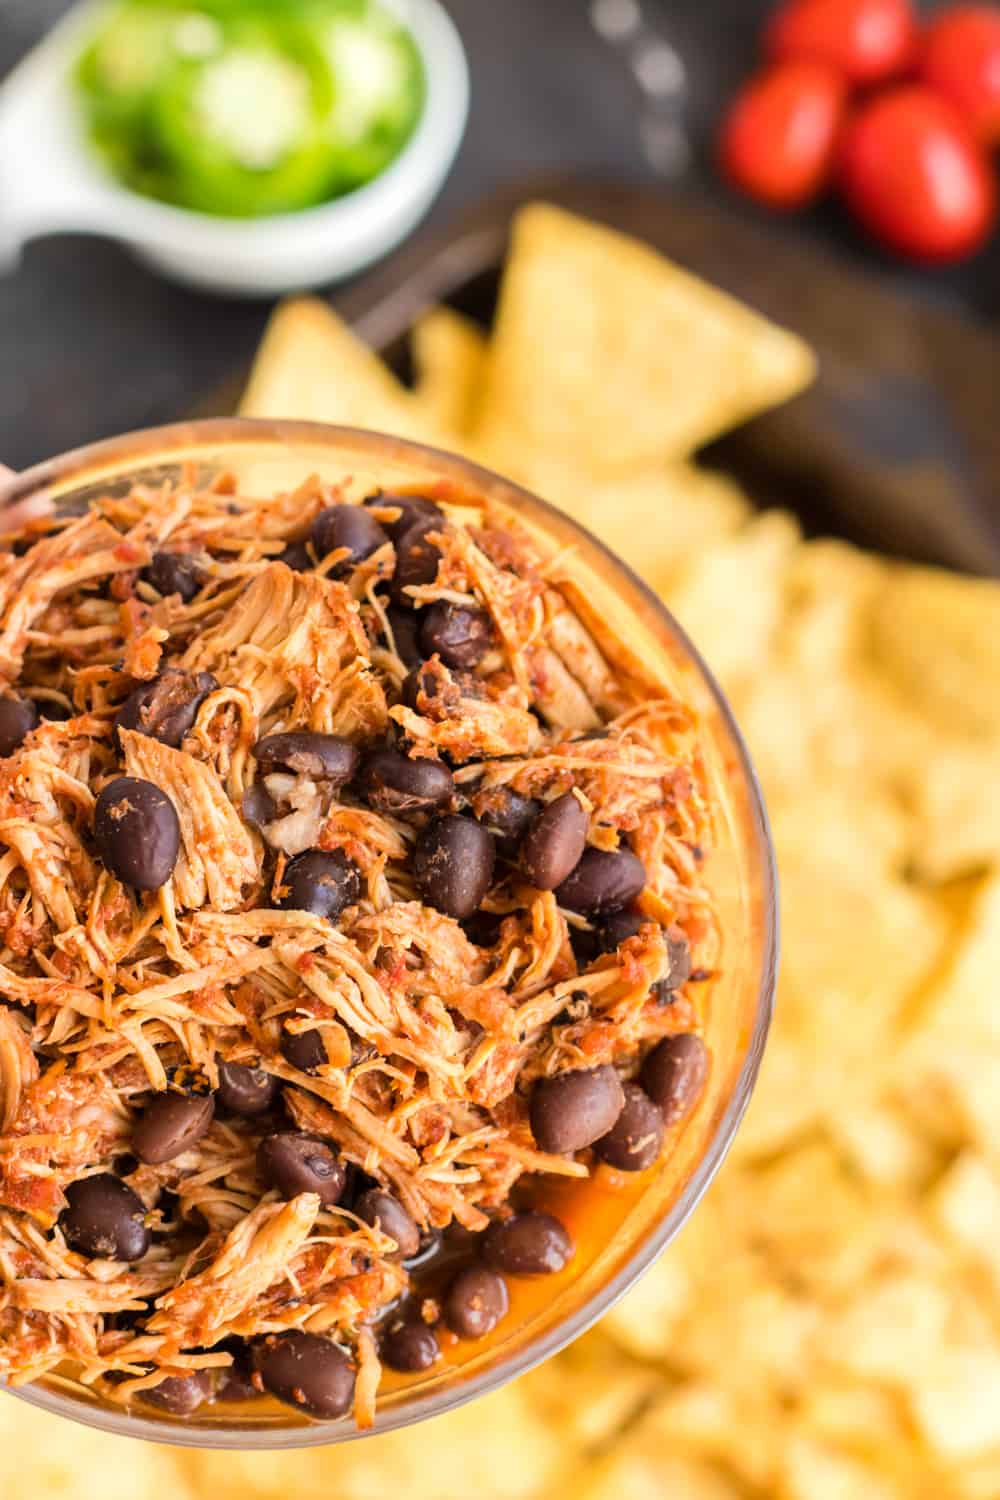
(234, 431)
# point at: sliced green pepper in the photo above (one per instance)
(242, 132)
(249, 107)
(378, 90)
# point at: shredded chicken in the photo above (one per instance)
(433, 1034)
(217, 859)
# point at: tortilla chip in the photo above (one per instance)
(813, 1471)
(953, 792)
(731, 598)
(782, 1109)
(882, 1146)
(605, 350)
(966, 1204)
(746, 1330)
(592, 1393)
(978, 1480)
(48, 1458)
(497, 1449)
(802, 1210)
(937, 635)
(952, 1058)
(450, 353)
(643, 1471)
(891, 1327)
(642, 1323)
(657, 519)
(863, 1418)
(740, 1431)
(956, 1403)
(311, 367)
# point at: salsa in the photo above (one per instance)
(245, 108)
(354, 940)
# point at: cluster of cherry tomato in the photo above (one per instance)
(899, 116)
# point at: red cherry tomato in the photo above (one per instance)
(778, 139)
(914, 176)
(960, 58)
(866, 40)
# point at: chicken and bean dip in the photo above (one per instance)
(350, 893)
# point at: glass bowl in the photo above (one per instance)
(635, 1227)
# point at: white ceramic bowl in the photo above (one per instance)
(51, 181)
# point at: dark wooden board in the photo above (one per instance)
(897, 446)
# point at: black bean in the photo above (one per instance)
(167, 707)
(170, 1124)
(236, 1381)
(321, 882)
(508, 816)
(483, 928)
(674, 1074)
(175, 573)
(405, 626)
(460, 636)
(408, 1344)
(604, 880)
(573, 1110)
(104, 1218)
(358, 1183)
(258, 807)
(306, 1371)
(295, 1162)
(54, 712)
(171, 1214)
(18, 717)
(679, 971)
(347, 526)
(393, 783)
(453, 864)
(586, 946)
(417, 560)
(617, 928)
(327, 757)
(529, 1244)
(297, 557)
(554, 843)
(430, 689)
(635, 1139)
(577, 1008)
(384, 1212)
(245, 1090)
(124, 1322)
(305, 1050)
(180, 1395)
(137, 832)
(411, 508)
(414, 683)
(475, 1302)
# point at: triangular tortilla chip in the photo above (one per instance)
(607, 351)
(310, 366)
(936, 635)
(450, 353)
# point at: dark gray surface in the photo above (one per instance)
(95, 344)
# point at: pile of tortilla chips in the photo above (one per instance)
(827, 1327)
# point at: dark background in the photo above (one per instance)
(94, 344)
